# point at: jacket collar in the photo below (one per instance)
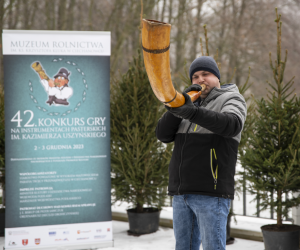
(216, 92)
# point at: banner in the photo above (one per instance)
(57, 139)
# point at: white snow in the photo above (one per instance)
(252, 223)
(163, 239)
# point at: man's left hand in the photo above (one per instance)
(187, 111)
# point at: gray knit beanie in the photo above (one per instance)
(206, 63)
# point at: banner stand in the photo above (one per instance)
(57, 139)
(97, 245)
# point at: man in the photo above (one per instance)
(58, 89)
(201, 171)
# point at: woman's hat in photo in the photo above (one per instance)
(64, 73)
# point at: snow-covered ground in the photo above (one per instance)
(163, 239)
(239, 222)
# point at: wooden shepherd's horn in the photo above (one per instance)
(156, 47)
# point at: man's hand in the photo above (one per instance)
(193, 87)
(187, 111)
(51, 83)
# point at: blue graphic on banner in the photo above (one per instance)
(57, 139)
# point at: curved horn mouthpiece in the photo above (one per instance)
(156, 51)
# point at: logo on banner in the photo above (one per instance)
(52, 233)
(66, 232)
(25, 242)
(99, 236)
(108, 229)
(86, 238)
(83, 232)
(12, 243)
(18, 232)
(59, 87)
(98, 230)
(37, 241)
(66, 239)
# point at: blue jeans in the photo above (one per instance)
(199, 218)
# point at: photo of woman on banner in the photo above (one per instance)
(58, 89)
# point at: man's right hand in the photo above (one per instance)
(51, 83)
(193, 87)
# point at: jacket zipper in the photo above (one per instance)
(181, 160)
(215, 175)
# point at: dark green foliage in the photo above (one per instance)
(139, 161)
(272, 162)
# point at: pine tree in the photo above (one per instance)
(272, 161)
(139, 161)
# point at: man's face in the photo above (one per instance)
(60, 81)
(207, 78)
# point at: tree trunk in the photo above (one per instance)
(91, 15)
(17, 15)
(70, 21)
(195, 30)
(26, 14)
(49, 11)
(10, 13)
(180, 36)
(170, 10)
(1, 26)
(139, 208)
(237, 24)
(163, 11)
(223, 28)
(61, 19)
(279, 208)
(33, 8)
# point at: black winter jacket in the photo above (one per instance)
(206, 148)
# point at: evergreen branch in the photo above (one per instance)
(271, 63)
(283, 67)
(277, 20)
(272, 87)
(245, 87)
(288, 84)
(285, 96)
(275, 74)
(296, 133)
